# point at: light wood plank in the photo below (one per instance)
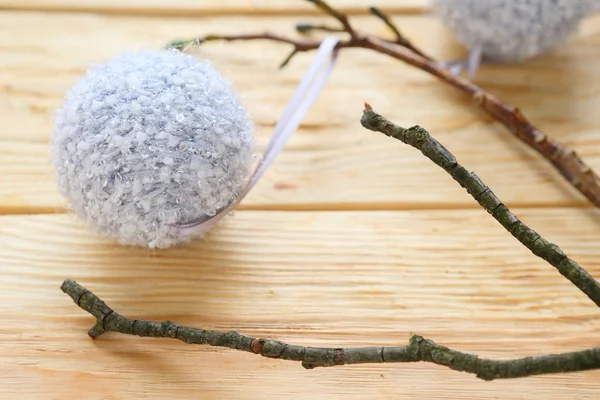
(213, 7)
(331, 162)
(313, 278)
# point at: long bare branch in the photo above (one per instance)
(418, 348)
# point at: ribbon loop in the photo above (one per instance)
(301, 101)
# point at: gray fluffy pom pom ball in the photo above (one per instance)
(149, 140)
(513, 30)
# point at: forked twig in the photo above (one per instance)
(341, 17)
(565, 160)
(400, 38)
(418, 348)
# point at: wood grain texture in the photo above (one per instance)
(421, 258)
(313, 278)
(331, 162)
(188, 8)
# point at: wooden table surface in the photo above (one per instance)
(350, 239)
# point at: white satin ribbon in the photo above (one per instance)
(300, 103)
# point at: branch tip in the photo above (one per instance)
(287, 60)
(342, 18)
(386, 20)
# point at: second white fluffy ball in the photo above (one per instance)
(512, 31)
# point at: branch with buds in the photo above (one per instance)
(564, 159)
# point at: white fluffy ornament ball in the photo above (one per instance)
(150, 140)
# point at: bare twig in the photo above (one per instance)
(418, 348)
(400, 38)
(564, 159)
(342, 18)
(306, 28)
(298, 46)
(420, 139)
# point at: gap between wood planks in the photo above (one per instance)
(188, 12)
(328, 207)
